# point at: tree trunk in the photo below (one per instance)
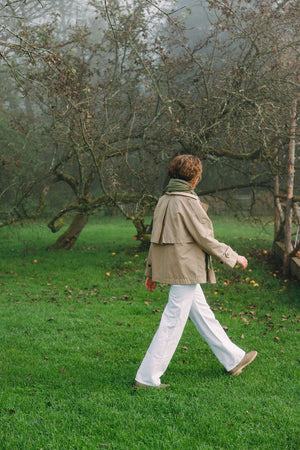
(69, 237)
(143, 232)
(278, 213)
(288, 248)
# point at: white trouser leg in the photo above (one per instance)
(185, 300)
(212, 332)
(166, 339)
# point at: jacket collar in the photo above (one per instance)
(183, 194)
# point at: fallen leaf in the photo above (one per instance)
(245, 320)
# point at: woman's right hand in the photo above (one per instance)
(242, 261)
(150, 284)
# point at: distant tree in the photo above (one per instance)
(85, 101)
(22, 189)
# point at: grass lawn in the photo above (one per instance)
(76, 324)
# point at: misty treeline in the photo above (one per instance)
(97, 96)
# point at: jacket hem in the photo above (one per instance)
(184, 281)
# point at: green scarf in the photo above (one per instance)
(177, 185)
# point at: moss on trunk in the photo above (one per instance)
(69, 237)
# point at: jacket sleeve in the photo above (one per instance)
(148, 261)
(201, 230)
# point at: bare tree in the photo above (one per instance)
(116, 102)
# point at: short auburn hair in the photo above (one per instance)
(185, 167)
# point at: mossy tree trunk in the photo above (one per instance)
(290, 191)
(69, 237)
(143, 231)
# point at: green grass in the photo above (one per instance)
(75, 326)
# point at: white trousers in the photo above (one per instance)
(185, 301)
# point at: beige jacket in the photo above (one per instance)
(182, 237)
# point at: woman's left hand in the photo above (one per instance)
(243, 261)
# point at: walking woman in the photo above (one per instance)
(182, 244)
